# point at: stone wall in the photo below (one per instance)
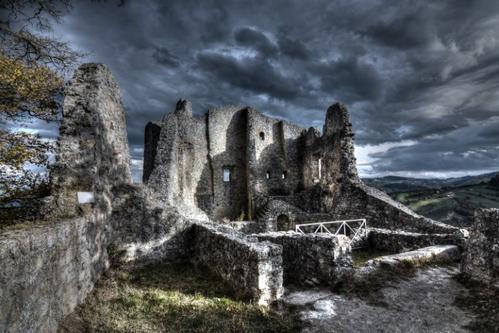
(92, 149)
(401, 241)
(274, 155)
(311, 259)
(253, 268)
(481, 257)
(48, 270)
(145, 230)
(227, 133)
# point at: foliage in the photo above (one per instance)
(172, 298)
(28, 90)
(20, 184)
(22, 31)
(31, 68)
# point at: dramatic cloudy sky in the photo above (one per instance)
(420, 78)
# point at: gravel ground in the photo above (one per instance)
(424, 303)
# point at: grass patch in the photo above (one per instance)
(172, 298)
(483, 302)
(361, 256)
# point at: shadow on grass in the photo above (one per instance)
(172, 298)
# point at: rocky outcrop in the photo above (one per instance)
(481, 257)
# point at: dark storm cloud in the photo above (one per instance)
(293, 48)
(402, 32)
(418, 71)
(254, 74)
(257, 40)
(164, 57)
(351, 78)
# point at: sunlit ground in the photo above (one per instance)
(171, 298)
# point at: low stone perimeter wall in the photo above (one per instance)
(47, 270)
(251, 267)
(401, 241)
(311, 259)
(481, 257)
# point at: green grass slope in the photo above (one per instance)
(454, 205)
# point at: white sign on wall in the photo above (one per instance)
(86, 197)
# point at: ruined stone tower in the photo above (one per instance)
(236, 163)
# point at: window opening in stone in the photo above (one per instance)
(227, 175)
(267, 175)
(320, 168)
(262, 136)
(284, 174)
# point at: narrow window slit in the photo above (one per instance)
(227, 175)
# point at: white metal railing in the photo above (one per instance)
(356, 229)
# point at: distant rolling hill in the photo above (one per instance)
(451, 200)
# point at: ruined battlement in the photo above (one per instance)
(219, 162)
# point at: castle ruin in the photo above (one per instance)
(235, 163)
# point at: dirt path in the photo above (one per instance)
(423, 303)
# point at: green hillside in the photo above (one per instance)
(451, 200)
(453, 205)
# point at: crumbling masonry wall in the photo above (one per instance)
(253, 268)
(50, 268)
(92, 149)
(331, 184)
(312, 259)
(481, 257)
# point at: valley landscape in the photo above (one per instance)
(450, 200)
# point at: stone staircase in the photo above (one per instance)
(261, 207)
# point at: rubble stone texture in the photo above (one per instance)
(253, 268)
(481, 257)
(92, 153)
(311, 259)
(48, 270)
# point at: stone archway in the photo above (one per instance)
(283, 223)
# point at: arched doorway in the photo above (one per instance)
(283, 223)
